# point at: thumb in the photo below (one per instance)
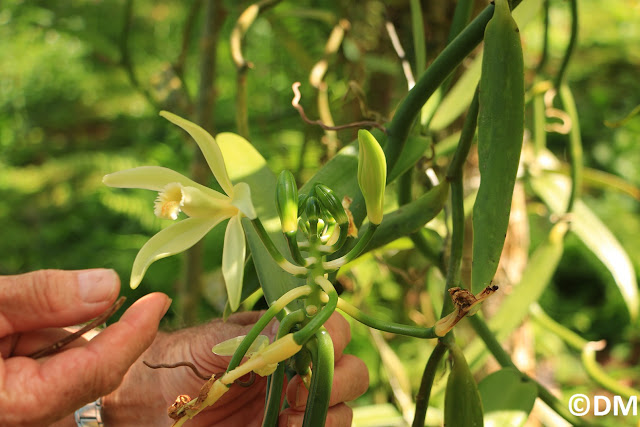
(54, 298)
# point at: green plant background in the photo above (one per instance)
(69, 114)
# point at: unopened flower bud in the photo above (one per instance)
(312, 209)
(331, 203)
(372, 175)
(287, 201)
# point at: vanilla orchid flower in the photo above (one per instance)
(204, 207)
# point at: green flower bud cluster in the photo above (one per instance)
(319, 214)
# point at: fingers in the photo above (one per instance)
(74, 377)
(54, 298)
(338, 416)
(28, 342)
(350, 381)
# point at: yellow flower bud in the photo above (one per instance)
(287, 202)
(372, 175)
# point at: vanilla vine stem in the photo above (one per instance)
(440, 68)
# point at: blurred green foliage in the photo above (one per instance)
(70, 113)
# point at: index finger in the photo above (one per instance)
(54, 298)
(38, 393)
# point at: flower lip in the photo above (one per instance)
(169, 202)
(175, 198)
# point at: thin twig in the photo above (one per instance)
(58, 345)
(176, 365)
(296, 104)
(248, 383)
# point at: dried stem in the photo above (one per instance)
(296, 104)
(58, 345)
(177, 365)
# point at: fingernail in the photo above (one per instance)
(97, 285)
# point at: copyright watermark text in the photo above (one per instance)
(581, 404)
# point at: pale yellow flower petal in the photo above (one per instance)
(233, 256)
(198, 204)
(372, 175)
(229, 347)
(209, 148)
(242, 200)
(154, 178)
(174, 239)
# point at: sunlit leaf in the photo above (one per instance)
(507, 400)
(246, 164)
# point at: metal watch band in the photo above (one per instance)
(90, 415)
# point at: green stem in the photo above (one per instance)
(455, 176)
(545, 39)
(240, 29)
(587, 350)
(505, 361)
(274, 397)
(417, 31)
(264, 320)
(571, 46)
(276, 380)
(274, 252)
(295, 249)
(424, 392)
(568, 336)
(322, 356)
(539, 122)
(342, 238)
(440, 68)
(322, 316)
(461, 17)
(575, 144)
(354, 252)
(381, 325)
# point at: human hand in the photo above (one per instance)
(145, 394)
(33, 309)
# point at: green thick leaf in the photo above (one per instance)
(409, 218)
(246, 164)
(462, 404)
(500, 130)
(457, 100)
(554, 190)
(507, 400)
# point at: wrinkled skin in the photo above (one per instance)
(35, 306)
